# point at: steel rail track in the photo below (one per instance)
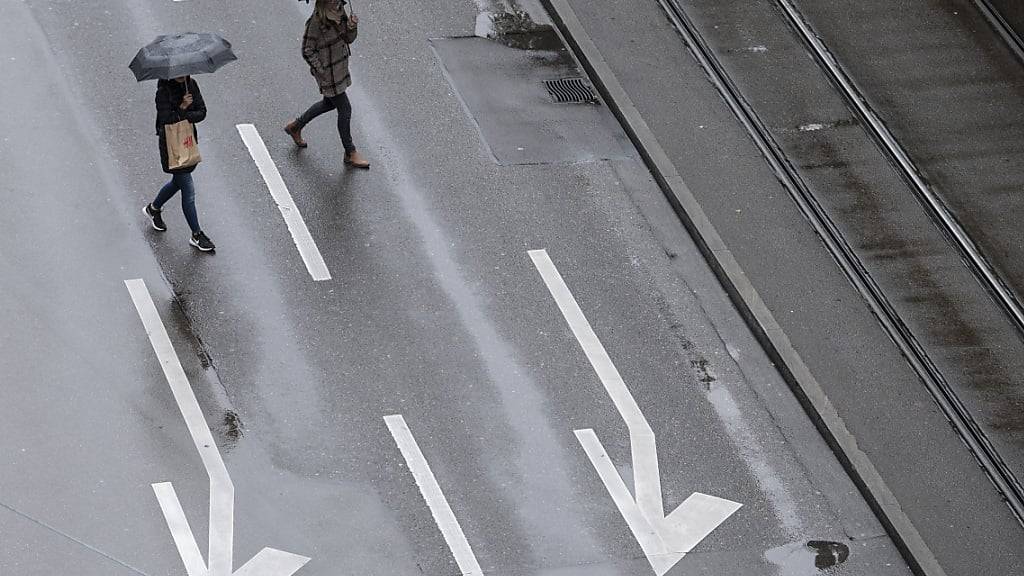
(977, 441)
(955, 411)
(935, 206)
(1002, 27)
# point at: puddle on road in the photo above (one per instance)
(809, 558)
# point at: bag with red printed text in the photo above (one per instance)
(182, 148)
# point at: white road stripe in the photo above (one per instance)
(438, 504)
(271, 562)
(665, 540)
(649, 538)
(184, 539)
(296, 225)
(646, 474)
(222, 491)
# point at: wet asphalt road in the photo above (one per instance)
(435, 312)
(882, 401)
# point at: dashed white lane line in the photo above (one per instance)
(438, 504)
(296, 225)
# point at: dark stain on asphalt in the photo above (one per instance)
(231, 427)
(186, 326)
(937, 316)
(704, 376)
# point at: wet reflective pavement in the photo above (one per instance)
(501, 81)
(435, 312)
(935, 479)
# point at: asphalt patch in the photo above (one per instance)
(501, 83)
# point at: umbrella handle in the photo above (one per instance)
(187, 78)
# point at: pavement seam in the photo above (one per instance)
(71, 538)
(760, 319)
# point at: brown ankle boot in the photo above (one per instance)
(356, 160)
(295, 131)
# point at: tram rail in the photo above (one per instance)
(1002, 27)
(954, 409)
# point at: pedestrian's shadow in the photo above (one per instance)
(328, 183)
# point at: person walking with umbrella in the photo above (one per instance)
(179, 100)
(325, 47)
(172, 60)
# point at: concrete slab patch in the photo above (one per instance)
(501, 83)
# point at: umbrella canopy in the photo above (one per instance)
(179, 55)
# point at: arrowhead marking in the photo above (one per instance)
(268, 562)
(271, 562)
(662, 563)
(664, 540)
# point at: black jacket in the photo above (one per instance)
(169, 94)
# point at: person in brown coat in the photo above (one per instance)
(325, 47)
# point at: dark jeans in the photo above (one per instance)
(182, 182)
(344, 108)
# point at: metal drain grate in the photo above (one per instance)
(570, 91)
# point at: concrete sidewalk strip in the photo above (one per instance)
(292, 218)
(745, 296)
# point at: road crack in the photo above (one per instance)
(67, 536)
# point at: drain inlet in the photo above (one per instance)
(570, 91)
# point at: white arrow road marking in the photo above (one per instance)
(269, 562)
(180, 530)
(436, 501)
(292, 218)
(664, 539)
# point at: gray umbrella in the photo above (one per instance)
(179, 55)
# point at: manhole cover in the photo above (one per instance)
(570, 91)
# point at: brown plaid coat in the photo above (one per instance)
(325, 48)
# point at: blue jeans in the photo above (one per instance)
(182, 182)
(344, 108)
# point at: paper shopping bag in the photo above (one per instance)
(182, 148)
